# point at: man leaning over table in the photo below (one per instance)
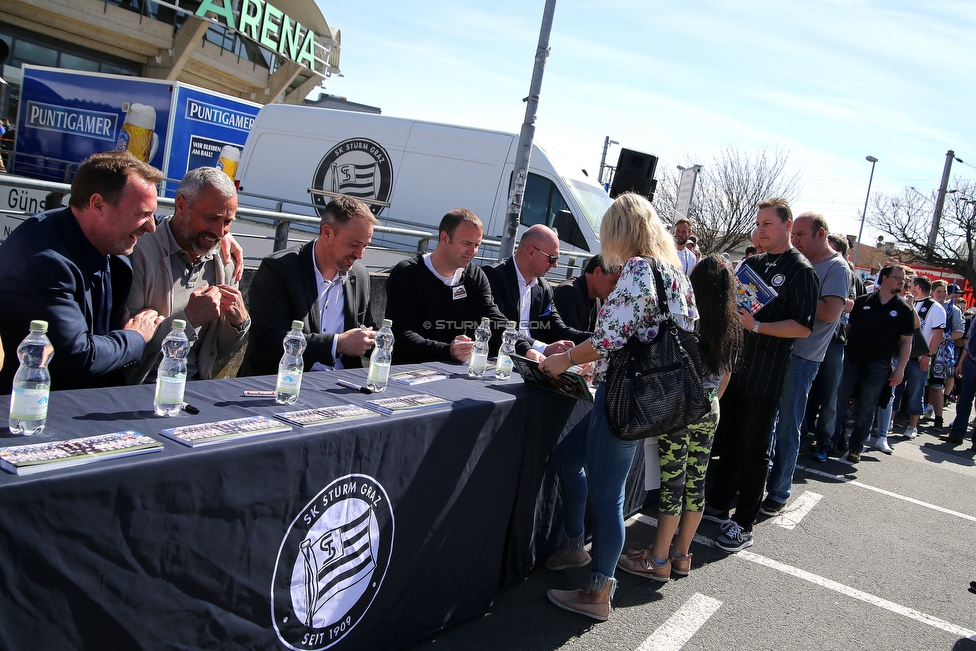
(437, 300)
(69, 267)
(322, 284)
(177, 271)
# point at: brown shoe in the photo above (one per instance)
(575, 602)
(680, 565)
(640, 562)
(565, 559)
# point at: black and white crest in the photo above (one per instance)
(331, 563)
(358, 168)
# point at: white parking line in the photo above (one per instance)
(793, 514)
(824, 582)
(682, 625)
(912, 500)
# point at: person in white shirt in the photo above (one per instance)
(682, 231)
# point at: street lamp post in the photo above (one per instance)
(864, 214)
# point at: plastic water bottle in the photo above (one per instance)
(32, 382)
(479, 351)
(171, 373)
(503, 366)
(290, 369)
(382, 357)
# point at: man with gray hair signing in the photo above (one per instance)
(178, 273)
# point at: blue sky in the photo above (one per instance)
(829, 82)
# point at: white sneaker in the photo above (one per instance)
(911, 432)
(928, 413)
(882, 444)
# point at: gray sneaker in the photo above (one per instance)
(564, 559)
(734, 539)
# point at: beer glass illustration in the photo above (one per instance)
(229, 158)
(138, 131)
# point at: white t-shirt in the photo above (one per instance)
(688, 260)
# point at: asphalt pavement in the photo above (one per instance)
(876, 555)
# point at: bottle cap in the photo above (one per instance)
(38, 326)
(297, 324)
(179, 323)
(485, 319)
(387, 323)
(511, 324)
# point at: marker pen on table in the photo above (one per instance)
(354, 387)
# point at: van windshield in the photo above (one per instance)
(592, 200)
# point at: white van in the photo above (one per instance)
(413, 172)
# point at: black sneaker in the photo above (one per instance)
(771, 507)
(734, 539)
(938, 424)
(715, 515)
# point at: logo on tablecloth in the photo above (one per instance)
(331, 563)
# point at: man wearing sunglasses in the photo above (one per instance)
(522, 293)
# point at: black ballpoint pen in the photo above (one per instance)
(356, 387)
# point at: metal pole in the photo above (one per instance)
(940, 201)
(857, 251)
(603, 159)
(517, 190)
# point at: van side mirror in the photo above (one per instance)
(569, 231)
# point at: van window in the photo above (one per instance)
(541, 202)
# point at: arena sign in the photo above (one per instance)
(266, 25)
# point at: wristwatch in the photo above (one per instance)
(755, 327)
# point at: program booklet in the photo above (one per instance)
(41, 457)
(572, 384)
(406, 403)
(420, 376)
(323, 415)
(225, 430)
(753, 292)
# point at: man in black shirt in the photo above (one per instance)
(579, 300)
(750, 401)
(437, 300)
(881, 325)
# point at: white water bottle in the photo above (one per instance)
(171, 373)
(32, 382)
(382, 357)
(290, 369)
(503, 366)
(479, 350)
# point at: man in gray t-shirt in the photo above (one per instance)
(810, 238)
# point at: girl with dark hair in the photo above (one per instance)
(684, 454)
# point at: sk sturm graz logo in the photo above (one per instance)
(331, 563)
(357, 168)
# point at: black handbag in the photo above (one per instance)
(655, 388)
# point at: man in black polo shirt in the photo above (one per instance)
(881, 325)
(750, 401)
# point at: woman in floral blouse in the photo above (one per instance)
(630, 229)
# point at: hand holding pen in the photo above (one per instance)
(355, 342)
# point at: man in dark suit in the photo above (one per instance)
(579, 299)
(523, 294)
(322, 284)
(68, 267)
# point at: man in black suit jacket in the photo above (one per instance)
(322, 284)
(538, 252)
(579, 299)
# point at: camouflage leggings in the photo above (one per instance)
(684, 460)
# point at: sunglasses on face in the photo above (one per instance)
(553, 259)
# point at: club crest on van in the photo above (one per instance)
(331, 563)
(358, 168)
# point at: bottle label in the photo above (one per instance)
(504, 364)
(378, 373)
(169, 390)
(479, 361)
(29, 404)
(289, 382)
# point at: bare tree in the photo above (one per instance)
(723, 210)
(907, 218)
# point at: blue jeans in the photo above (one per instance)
(915, 379)
(884, 413)
(828, 381)
(786, 440)
(868, 379)
(607, 461)
(964, 406)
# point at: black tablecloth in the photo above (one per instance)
(236, 545)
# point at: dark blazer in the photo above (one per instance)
(47, 270)
(283, 290)
(545, 323)
(578, 310)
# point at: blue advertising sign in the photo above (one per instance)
(209, 130)
(66, 116)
